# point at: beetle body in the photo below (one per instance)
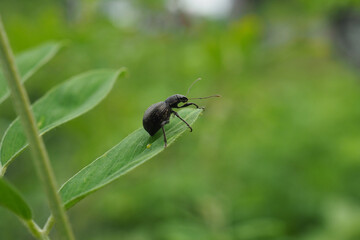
(158, 114)
(154, 116)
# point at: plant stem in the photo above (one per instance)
(48, 225)
(35, 230)
(41, 159)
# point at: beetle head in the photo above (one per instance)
(174, 100)
(182, 98)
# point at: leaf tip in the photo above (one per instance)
(63, 43)
(123, 72)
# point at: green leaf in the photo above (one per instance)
(12, 200)
(61, 104)
(134, 150)
(28, 63)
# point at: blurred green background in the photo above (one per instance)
(277, 157)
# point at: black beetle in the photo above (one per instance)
(158, 114)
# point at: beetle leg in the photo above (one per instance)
(176, 114)
(162, 127)
(189, 104)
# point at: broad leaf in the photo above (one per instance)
(61, 104)
(28, 63)
(12, 200)
(134, 150)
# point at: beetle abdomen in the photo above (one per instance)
(154, 116)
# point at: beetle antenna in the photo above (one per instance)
(192, 85)
(206, 97)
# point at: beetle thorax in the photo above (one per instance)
(174, 100)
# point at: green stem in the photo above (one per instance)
(35, 230)
(48, 225)
(41, 159)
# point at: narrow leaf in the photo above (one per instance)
(61, 104)
(28, 63)
(134, 150)
(12, 200)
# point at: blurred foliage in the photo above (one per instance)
(278, 157)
